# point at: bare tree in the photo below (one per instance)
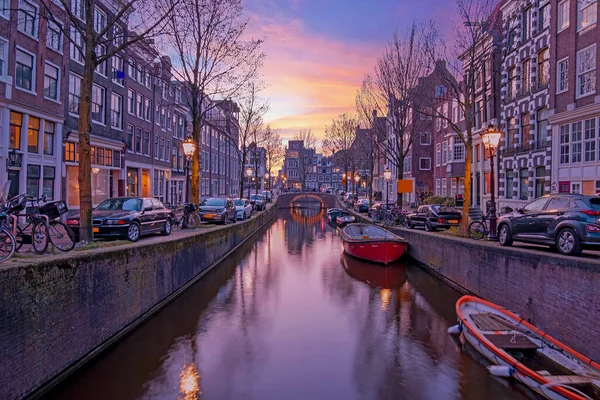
(473, 40)
(95, 41)
(274, 152)
(391, 93)
(214, 58)
(339, 137)
(305, 159)
(252, 111)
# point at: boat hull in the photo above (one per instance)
(383, 251)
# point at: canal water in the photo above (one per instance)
(289, 316)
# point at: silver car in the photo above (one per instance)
(243, 208)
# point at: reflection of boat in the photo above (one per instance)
(373, 275)
(333, 213)
(525, 353)
(344, 219)
(372, 243)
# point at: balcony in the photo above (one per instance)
(522, 148)
(541, 144)
(508, 151)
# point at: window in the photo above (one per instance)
(116, 111)
(444, 187)
(540, 181)
(543, 67)
(510, 175)
(48, 183)
(77, 46)
(100, 52)
(424, 163)
(156, 147)
(138, 140)
(162, 149)
(459, 151)
(147, 110)
(118, 75)
(70, 152)
(146, 144)
(512, 82)
(445, 157)
(438, 154)
(526, 76)
(408, 164)
(426, 138)
(131, 102)
(564, 144)
(512, 36)
(544, 16)
(163, 118)
(535, 206)
(140, 106)
(512, 132)
(523, 184)
(526, 25)
(108, 157)
(98, 102)
(78, 8)
(440, 90)
(49, 130)
(5, 8)
(586, 13)
(525, 128)
(130, 138)
(563, 15)
(562, 75)
(33, 180)
(586, 71)
(54, 37)
(542, 124)
(24, 73)
(117, 36)
(589, 137)
(437, 187)
(169, 121)
(51, 74)
(28, 18)
(33, 135)
(157, 117)
(100, 156)
(576, 145)
(99, 20)
(131, 67)
(3, 57)
(16, 122)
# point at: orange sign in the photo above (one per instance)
(405, 185)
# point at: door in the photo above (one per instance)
(145, 183)
(419, 218)
(147, 216)
(524, 224)
(13, 177)
(553, 213)
(159, 213)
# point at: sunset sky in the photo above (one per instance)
(319, 50)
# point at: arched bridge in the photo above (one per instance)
(308, 199)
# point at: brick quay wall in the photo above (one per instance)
(58, 313)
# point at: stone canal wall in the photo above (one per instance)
(57, 314)
(559, 294)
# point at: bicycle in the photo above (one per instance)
(478, 229)
(8, 243)
(35, 231)
(189, 219)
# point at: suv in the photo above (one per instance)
(567, 222)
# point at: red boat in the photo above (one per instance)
(372, 243)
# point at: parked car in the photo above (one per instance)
(433, 217)
(349, 199)
(362, 206)
(267, 195)
(243, 208)
(218, 209)
(567, 222)
(128, 218)
(258, 202)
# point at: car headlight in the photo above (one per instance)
(116, 222)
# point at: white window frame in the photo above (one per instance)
(103, 104)
(438, 154)
(5, 9)
(591, 71)
(592, 12)
(36, 19)
(33, 71)
(562, 76)
(563, 22)
(58, 81)
(3, 58)
(54, 30)
(421, 159)
(100, 20)
(74, 53)
(78, 9)
(116, 64)
(73, 78)
(426, 135)
(119, 98)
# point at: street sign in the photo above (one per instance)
(405, 186)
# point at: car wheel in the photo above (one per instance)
(225, 219)
(168, 228)
(428, 226)
(504, 235)
(568, 243)
(133, 232)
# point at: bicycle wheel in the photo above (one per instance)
(477, 230)
(61, 236)
(193, 220)
(40, 236)
(8, 244)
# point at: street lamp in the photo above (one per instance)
(249, 175)
(490, 139)
(267, 179)
(189, 147)
(387, 175)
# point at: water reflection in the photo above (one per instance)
(293, 318)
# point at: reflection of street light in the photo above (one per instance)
(490, 139)
(249, 174)
(387, 175)
(189, 147)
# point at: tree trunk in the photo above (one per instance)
(196, 136)
(85, 167)
(400, 170)
(242, 172)
(468, 188)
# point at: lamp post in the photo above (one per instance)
(249, 175)
(189, 147)
(387, 175)
(490, 139)
(356, 179)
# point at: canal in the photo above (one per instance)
(288, 316)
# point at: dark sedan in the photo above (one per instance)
(433, 217)
(217, 209)
(127, 217)
(258, 201)
(362, 206)
(566, 222)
